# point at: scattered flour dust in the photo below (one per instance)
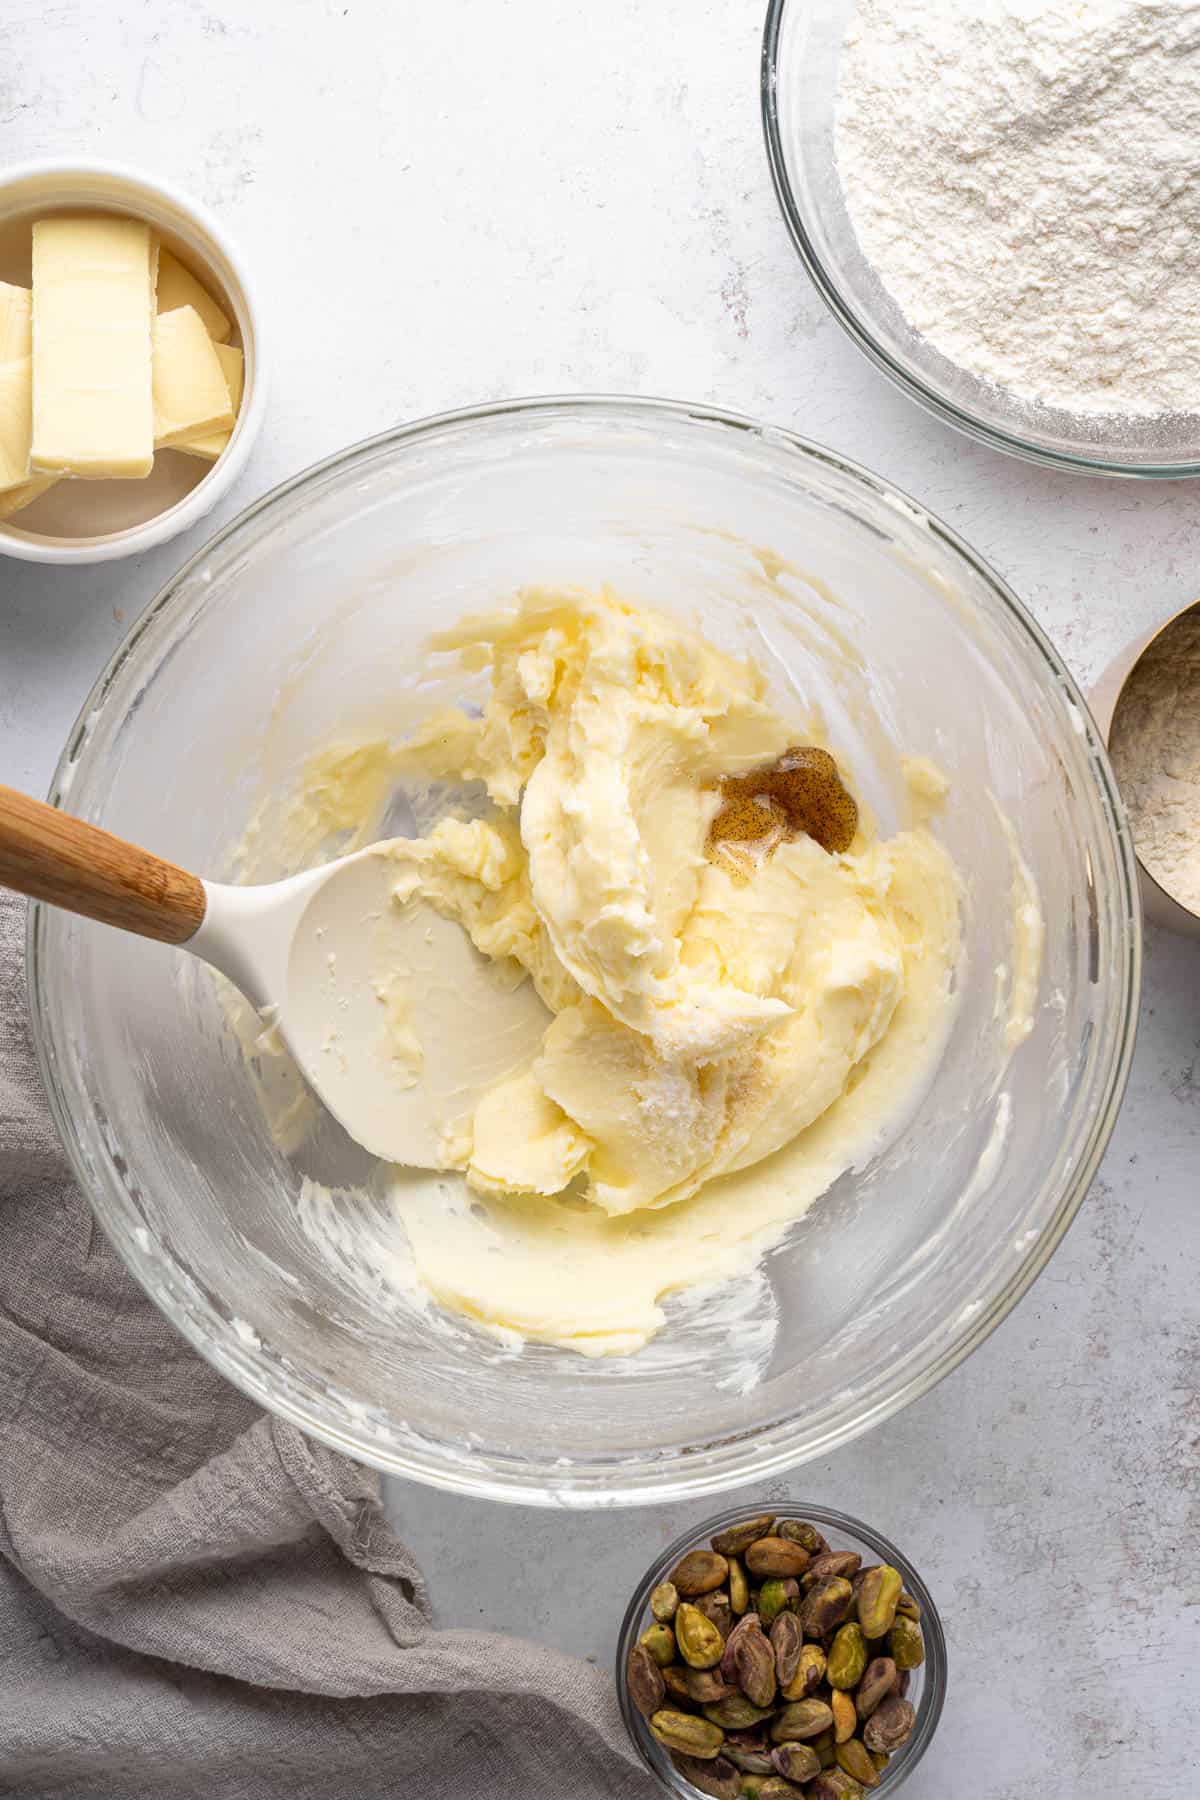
(1155, 745)
(1024, 176)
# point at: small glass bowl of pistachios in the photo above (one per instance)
(787, 1652)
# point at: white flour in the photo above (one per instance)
(1024, 175)
(1155, 744)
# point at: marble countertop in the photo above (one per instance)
(450, 204)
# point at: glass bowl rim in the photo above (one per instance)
(857, 327)
(936, 1664)
(769, 1450)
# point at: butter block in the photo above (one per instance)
(16, 322)
(178, 287)
(93, 413)
(15, 498)
(191, 395)
(16, 421)
(209, 445)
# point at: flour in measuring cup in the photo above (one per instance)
(1155, 747)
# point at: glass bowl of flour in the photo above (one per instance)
(285, 1253)
(1001, 206)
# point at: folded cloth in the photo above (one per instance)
(196, 1600)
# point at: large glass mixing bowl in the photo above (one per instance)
(308, 618)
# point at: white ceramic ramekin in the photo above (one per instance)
(105, 531)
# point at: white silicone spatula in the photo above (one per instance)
(327, 956)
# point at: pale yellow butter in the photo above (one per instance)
(721, 1049)
(209, 445)
(16, 410)
(16, 322)
(191, 395)
(13, 499)
(93, 413)
(16, 390)
(178, 287)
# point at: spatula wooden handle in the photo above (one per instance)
(53, 857)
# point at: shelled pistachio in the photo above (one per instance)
(664, 1602)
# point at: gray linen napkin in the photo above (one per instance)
(196, 1600)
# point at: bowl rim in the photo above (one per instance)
(858, 329)
(936, 1667)
(772, 1450)
(219, 478)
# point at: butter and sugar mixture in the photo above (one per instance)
(734, 966)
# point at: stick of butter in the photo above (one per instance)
(16, 322)
(93, 411)
(191, 395)
(209, 445)
(13, 499)
(16, 421)
(16, 426)
(178, 287)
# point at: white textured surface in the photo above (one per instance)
(450, 203)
